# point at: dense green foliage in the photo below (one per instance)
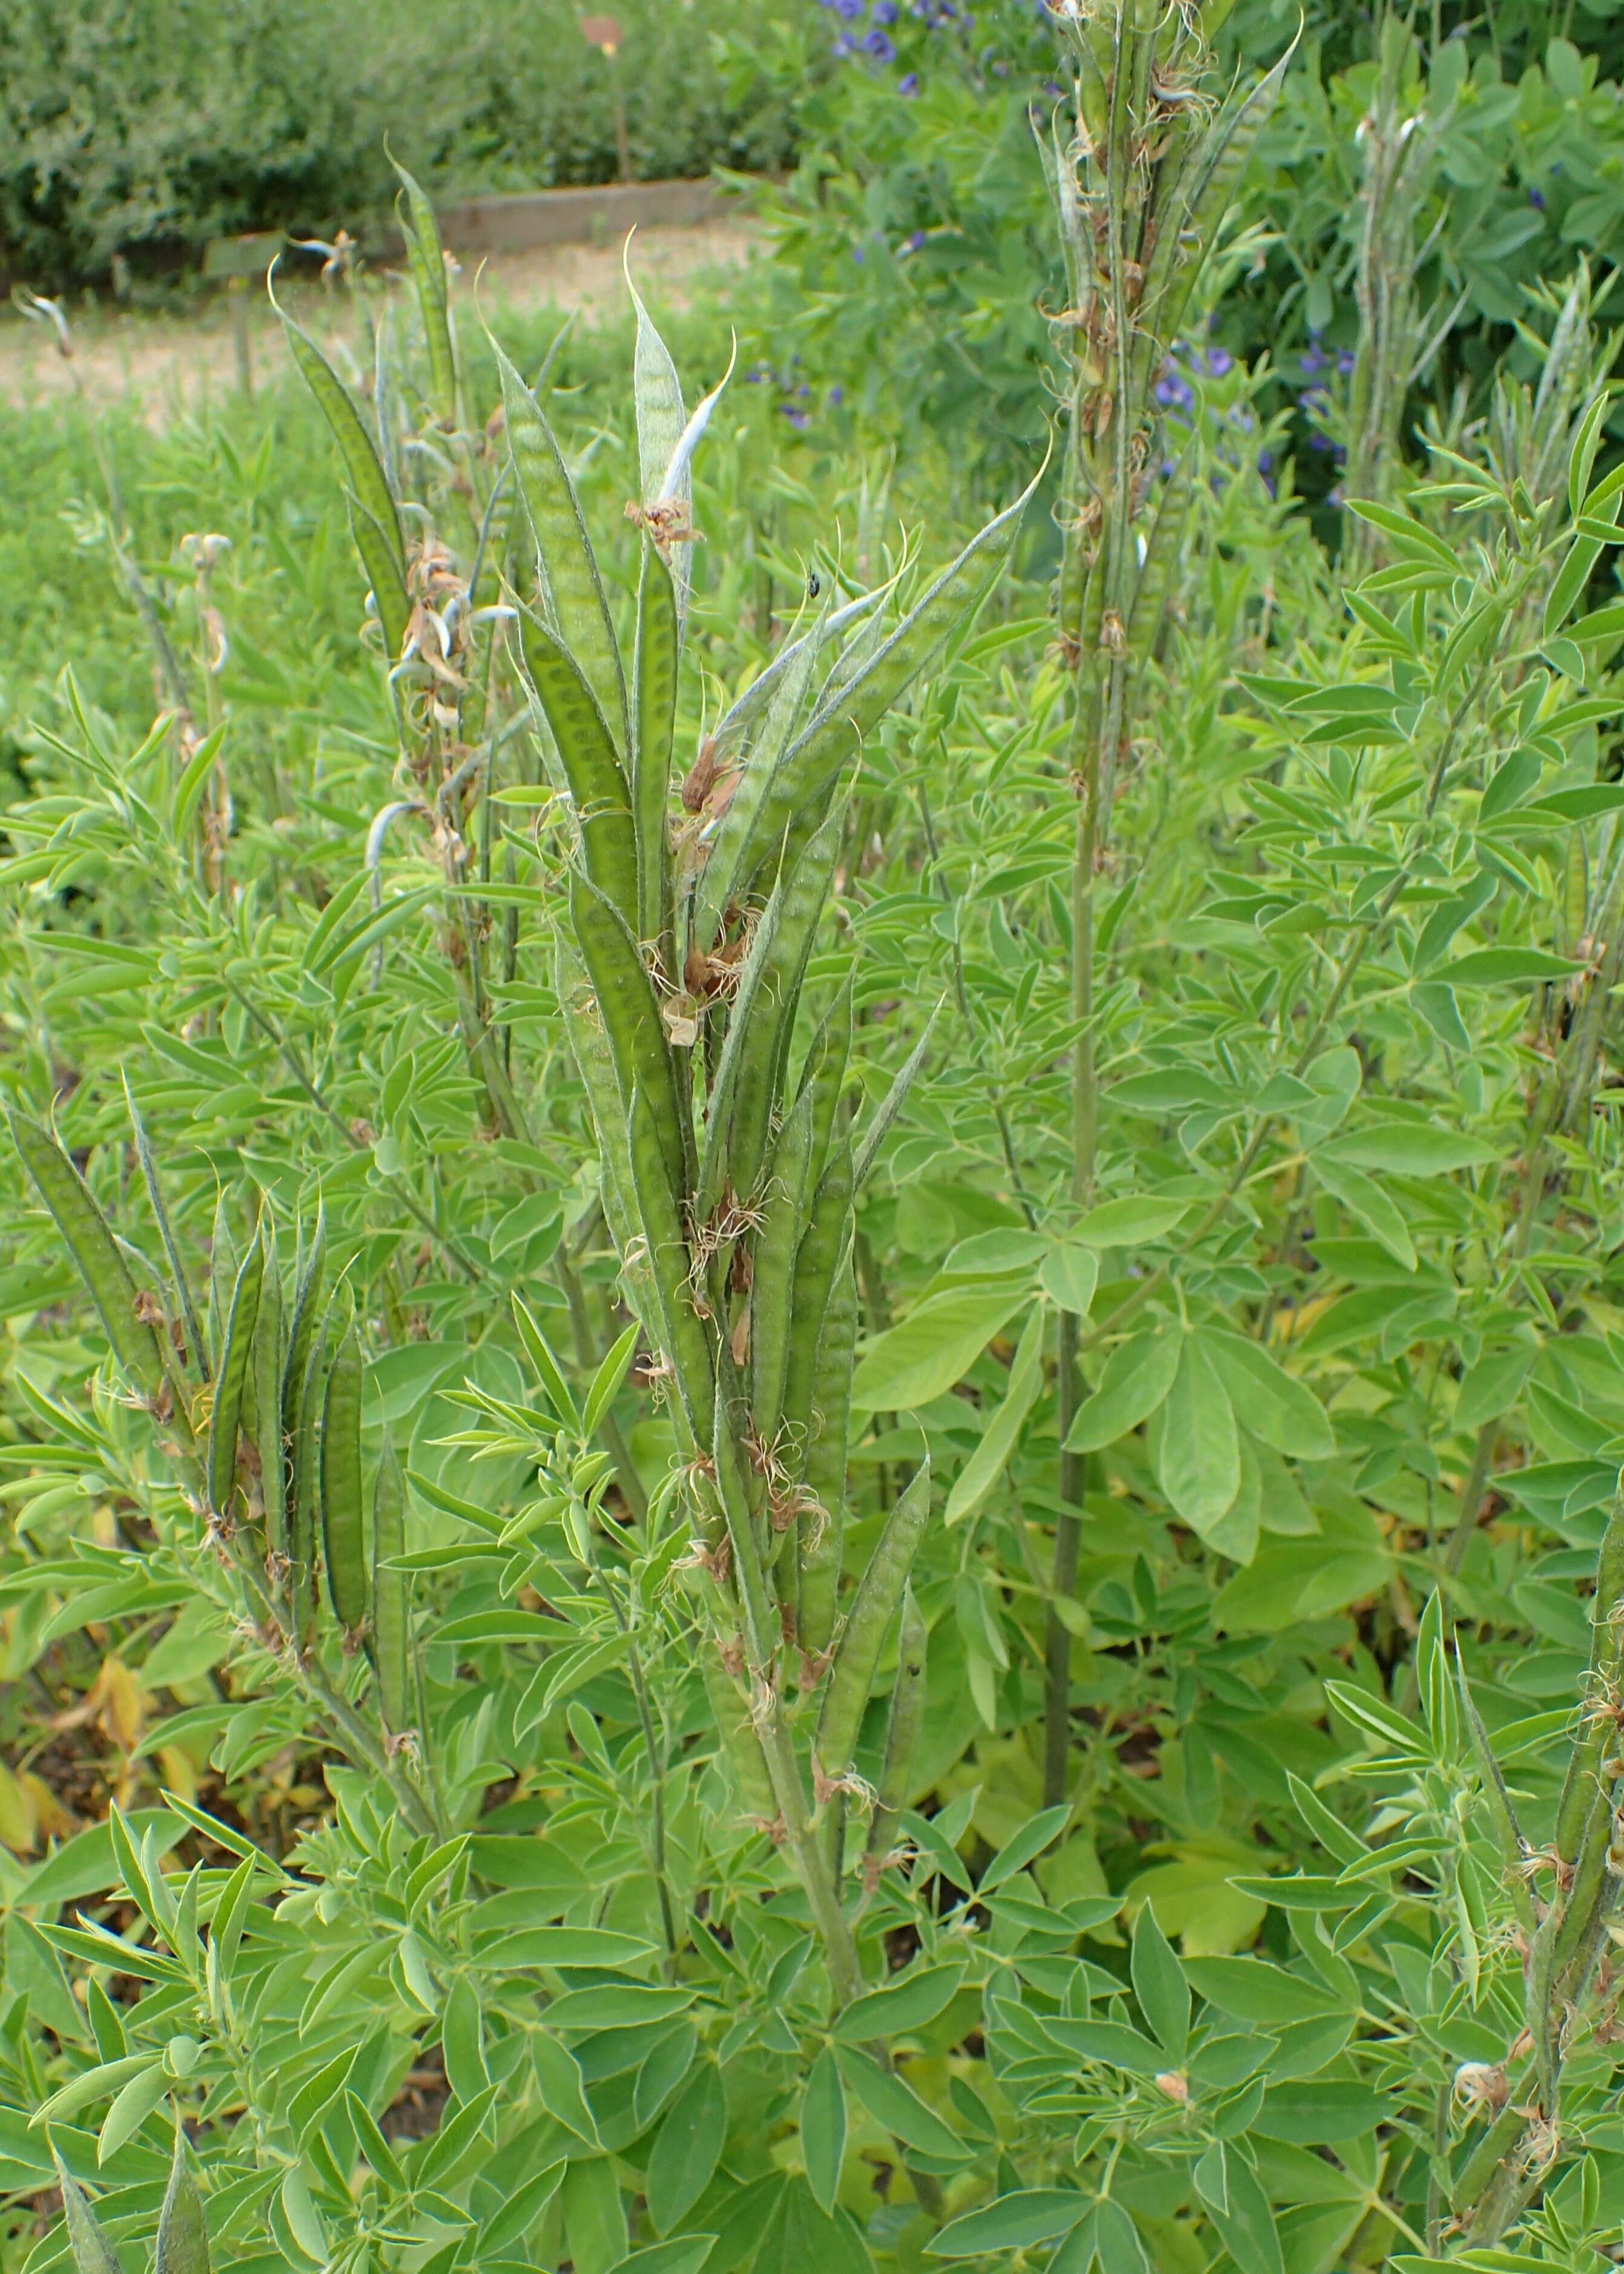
(141, 130)
(840, 1488)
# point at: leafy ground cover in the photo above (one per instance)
(811, 1405)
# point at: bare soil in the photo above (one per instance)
(165, 364)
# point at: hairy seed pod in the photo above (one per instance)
(182, 2242)
(744, 1037)
(390, 1641)
(822, 1525)
(655, 674)
(342, 1517)
(686, 1343)
(761, 1064)
(597, 786)
(426, 260)
(594, 1062)
(773, 1278)
(874, 1607)
(91, 2252)
(302, 1326)
(231, 1377)
(632, 1023)
(307, 1455)
(824, 1074)
(740, 1754)
(902, 1735)
(817, 1259)
(89, 1240)
(269, 1443)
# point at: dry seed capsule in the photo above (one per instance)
(655, 675)
(89, 1240)
(874, 1607)
(230, 1376)
(390, 1642)
(822, 1525)
(902, 1735)
(269, 1442)
(342, 1517)
(773, 1017)
(817, 1262)
(772, 1280)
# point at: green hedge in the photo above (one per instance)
(144, 127)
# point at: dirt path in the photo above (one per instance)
(168, 363)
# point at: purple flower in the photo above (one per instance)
(845, 45)
(1173, 390)
(908, 85)
(837, 395)
(848, 11)
(880, 45)
(1219, 360)
(858, 253)
(1345, 361)
(796, 416)
(1265, 461)
(913, 240)
(1313, 358)
(1537, 198)
(884, 11)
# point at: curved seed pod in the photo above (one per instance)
(355, 444)
(1166, 542)
(772, 1020)
(597, 786)
(631, 1020)
(342, 1517)
(824, 1074)
(835, 733)
(822, 1527)
(222, 1264)
(301, 1326)
(425, 257)
(92, 2253)
(230, 1377)
(773, 1275)
(190, 1320)
(741, 1747)
(569, 565)
(383, 573)
(686, 1343)
(740, 1040)
(1579, 1784)
(88, 1239)
(595, 1063)
(307, 1443)
(902, 1735)
(656, 676)
(182, 2232)
(782, 691)
(268, 1441)
(874, 1607)
(390, 1641)
(817, 1259)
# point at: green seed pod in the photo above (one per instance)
(230, 1378)
(874, 1607)
(306, 1311)
(89, 1240)
(269, 1443)
(390, 1641)
(746, 1036)
(632, 1023)
(595, 1063)
(740, 1754)
(597, 786)
(824, 1074)
(306, 1448)
(342, 1518)
(686, 1343)
(656, 676)
(817, 1262)
(772, 1022)
(902, 1735)
(1161, 551)
(425, 258)
(821, 1526)
(182, 2232)
(773, 1269)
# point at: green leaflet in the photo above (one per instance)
(1136, 1378)
(837, 730)
(902, 1727)
(366, 475)
(579, 609)
(1201, 1459)
(234, 1359)
(425, 257)
(656, 678)
(196, 1339)
(874, 1607)
(823, 2128)
(390, 1641)
(595, 1061)
(91, 1244)
(92, 2253)
(985, 1466)
(936, 1345)
(183, 2235)
(597, 786)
